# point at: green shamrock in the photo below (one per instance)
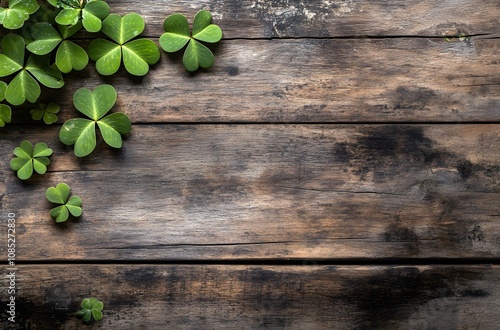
(177, 35)
(47, 112)
(24, 86)
(89, 12)
(137, 55)
(5, 111)
(91, 307)
(81, 131)
(60, 195)
(17, 13)
(69, 55)
(29, 158)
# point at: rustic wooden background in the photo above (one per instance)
(338, 167)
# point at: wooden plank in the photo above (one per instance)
(251, 297)
(370, 80)
(328, 18)
(267, 191)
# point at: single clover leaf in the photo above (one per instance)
(47, 112)
(69, 55)
(17, 13)
(89, 12)
(24, 86)
(137, 55)
(91, 308)
(5, 114)
(81, 131)
(45, 14)
(60, 195)
(5, 111)
(177, 36)
(29, 158)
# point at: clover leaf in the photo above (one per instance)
(45, 13)
(5, 114)
(137, 54)
(91, 307)
(5, 111)
(17, 13)
(24, 86)
(82, 132)
(60, 195)
(89, 12)
(69, 55)
(29, 158)
(47, 112)
(177, 36)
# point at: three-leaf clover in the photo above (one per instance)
(17, 13)
(177, 35)
(29, 158)
(5, 111)
(82, 132)
(69, 55)
(47, 112)
(60, 195)
(91, 307)
(24, 86)
(89, 12)
(137, 55)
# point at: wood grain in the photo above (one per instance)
(351, 80)
(216, 173)
(251, 297)
(328, 18)
(267, 191)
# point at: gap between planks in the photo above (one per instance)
(275, 262)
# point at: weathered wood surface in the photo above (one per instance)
(267, 191)
(328, 18)
(349, 80)
(212, 192)
(251, 297)
(320, 80)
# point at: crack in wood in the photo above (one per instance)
(342, 191)
(156, 246)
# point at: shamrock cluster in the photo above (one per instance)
(40, 45)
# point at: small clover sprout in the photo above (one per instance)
(60, 195)
(24, 86)
(82, 132)
(137, 54)
(17, 13)
(69, 55)
(5, 111)
(177, 36)
(89, 12)
(91, 307)
(29, 158)
(47, 112)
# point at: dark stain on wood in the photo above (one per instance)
(412, 97)
(465, 168)
(204, 191)
(385, 151)
(399, 231)
(144, 277)
(393, 294)
(232, 70)
(40, 315)
(341, 154)
(473, 236)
